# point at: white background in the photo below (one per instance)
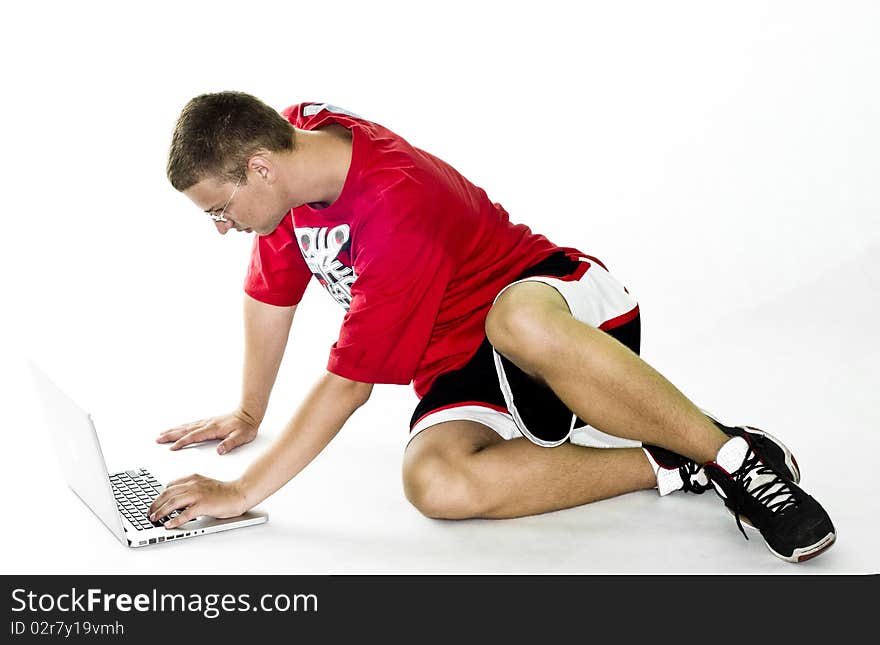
(721, 158)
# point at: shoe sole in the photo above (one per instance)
(808, 552)
(799, 555)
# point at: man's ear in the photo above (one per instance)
(262, 166)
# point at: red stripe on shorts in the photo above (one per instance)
(620, 320)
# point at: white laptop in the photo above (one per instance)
(120, 500)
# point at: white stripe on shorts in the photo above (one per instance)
(594, 299)
(504, 425)
(500, 422)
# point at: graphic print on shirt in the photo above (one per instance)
(322, 248)
(314, 108)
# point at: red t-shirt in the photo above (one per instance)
(414, 251)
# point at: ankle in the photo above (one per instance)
(715, 440)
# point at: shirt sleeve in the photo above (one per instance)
(277, 273)
(402, 268)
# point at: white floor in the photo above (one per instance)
(707, 151)
(802, 366)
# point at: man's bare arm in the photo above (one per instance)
(266, 330)
(322, 414)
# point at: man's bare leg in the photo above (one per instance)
(459, 471)
(462, 469)
(598, 378)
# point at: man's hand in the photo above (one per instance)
(198, 495)
(235, 429)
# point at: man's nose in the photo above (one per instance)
(223, 227)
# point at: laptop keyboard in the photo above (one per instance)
(134, 491)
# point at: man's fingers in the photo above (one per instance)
(163, 497)
(180, 428)
(195, 436)
(175, 503)
(167, 506)
(172, 489)
(172, 434)
(239, 429)
(160, 499)
(234, 440)
(190, 513)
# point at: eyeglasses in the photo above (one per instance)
(221, 216)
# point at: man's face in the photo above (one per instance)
(246, 207)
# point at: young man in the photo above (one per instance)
(509, 340)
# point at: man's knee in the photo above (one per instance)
(440, 489)
(520, 325)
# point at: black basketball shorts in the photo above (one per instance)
(491, 390)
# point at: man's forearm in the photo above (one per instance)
(266, 329)
(322, 414)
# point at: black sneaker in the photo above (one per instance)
(793, 525)
(775, 453)
(675, 472)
